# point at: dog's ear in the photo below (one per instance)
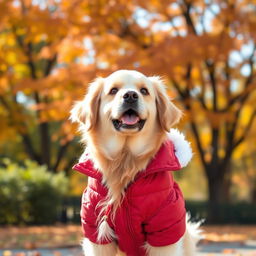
(168, 113)
(85, 112)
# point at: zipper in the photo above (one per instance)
(129, 217)
(128, 222)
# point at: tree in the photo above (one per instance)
(244, 164)
(40, 76)
(206, 49)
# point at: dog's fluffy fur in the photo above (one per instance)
(120, 153)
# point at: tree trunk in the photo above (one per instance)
(45, 144)
(254, 196)
(218, 177)
(253, 193)
(215, 192)
(227, 183)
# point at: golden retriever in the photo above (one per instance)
(124, 119)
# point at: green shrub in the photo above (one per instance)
(227, 213)
(30, 194)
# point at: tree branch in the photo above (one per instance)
(211, 70)
(25, 138)
(198, 143)
(186, 97)
(30, 60)
(4, 103)
(239, 98)
(43, 126)
(186, 13)
(228, 79)
(29, 148)
(50, 65)
(126, 31)
(246, 130)
(215, 146)
(69, 164)
(176, 86)
(61, 152)
(196, 134)
(248, 86)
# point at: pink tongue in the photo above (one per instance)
(130, 119)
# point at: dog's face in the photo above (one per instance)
(126, 103)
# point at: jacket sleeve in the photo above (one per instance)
(168, 223)
(89, 217)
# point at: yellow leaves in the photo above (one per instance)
(216, 119)
(77, 183)
(225, 233)
(36, 24)
(48, 51)
(70, 50)
(11, 58)
(6, 130)
(205, 137)
(20, 31)
(4, 83)
(172, 94)
(239, 151)
(29, 85)
(51, 111)
(61, 82)
(9, 40)
(3, 67)
(21, 71)
(245, 115)
(178, 70)
(196, 74)
(116, 41)
(45, 53)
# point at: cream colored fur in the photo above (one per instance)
(120, 155)
(186, 246)
(92, 249)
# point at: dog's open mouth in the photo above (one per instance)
(129, 120)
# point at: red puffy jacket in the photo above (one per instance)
(152, 211)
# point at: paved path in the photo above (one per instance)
(226, 249)
(211, 249)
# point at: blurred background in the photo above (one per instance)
(51, 50)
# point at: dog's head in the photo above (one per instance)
(126, 103)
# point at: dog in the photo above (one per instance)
(132, 206)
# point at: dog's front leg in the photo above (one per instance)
(92, 249)
(186, 246)
(169, 250)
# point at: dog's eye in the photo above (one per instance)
(113, 91)
(144, 91)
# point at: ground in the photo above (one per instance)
(64, 241)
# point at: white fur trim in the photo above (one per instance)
(105, 231)
(182, 147)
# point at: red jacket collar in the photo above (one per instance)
(164, 160)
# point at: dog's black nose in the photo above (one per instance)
(130, 97)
